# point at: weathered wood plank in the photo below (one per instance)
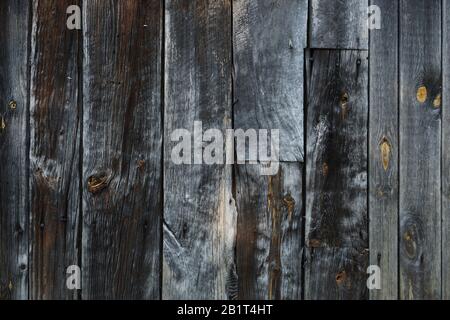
(199, 211)
(269, 232)
(14, 219)
(383, 150)
(446, 153)
(122, 143)
(337, 24)
(55, 113)
(336, 195)
(269, 38)
(420, 149)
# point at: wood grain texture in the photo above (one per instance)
(420, 154)
(199, 210)
(269, 243)
(336, 194)
(55, 112)
(269, 38)
(122, 149)
(14, 131)
(383, 150)
(339, 24)
(446, 152)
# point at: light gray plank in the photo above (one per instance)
(339, 24)
(199, 210)
(420, 149)
(384, 149)
(269, 38)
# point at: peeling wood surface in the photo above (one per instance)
(122, 146)
(420, 150)
(86, 176)
(384, 149)
(14, 212)
(336, 173)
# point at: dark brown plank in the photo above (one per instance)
(337, 24)
(199, 211)
(269, 38)
(55, 147)
(336, 194)
(383, 150)
(269, 233)
(420, 149)
(14, 132)
(122, 134)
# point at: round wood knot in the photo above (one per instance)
(97, 183)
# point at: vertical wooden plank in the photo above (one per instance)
(14, 27)
(269, 38)
(383, 150)
(446, 153)
(336, 194)
(199, 211)
(269, 233)
(122, 142)
(55, 141)
(339, 24)
(420, 149)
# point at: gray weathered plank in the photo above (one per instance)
(269, 232)
(383, 150)
(199, 211)
(339, 24)
(122, 144)
(446, 153)
(336, 186)
(14, 219)
(55, 113)
(269, 38)
(420, 149)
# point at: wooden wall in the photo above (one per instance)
(86, 123)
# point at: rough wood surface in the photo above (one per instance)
(446, 153)
(269, 234)
(199, 210)
(55, 113)
(336, 185)
(420, 149)
(339, 24)
(269, 38)
(383, 150)
(14, 213)
(122, 149)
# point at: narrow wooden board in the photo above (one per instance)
(269, 38)
(336, 186)
(339, 24)
(446, 153)
(14, 131)
(199, 210)
(122, 149)
(383, 150)
(269, 233)
(55, 113)
(420, 149)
